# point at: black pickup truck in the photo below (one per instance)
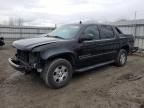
(71, 48)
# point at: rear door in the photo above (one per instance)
(110, 42)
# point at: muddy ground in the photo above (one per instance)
(105, 87)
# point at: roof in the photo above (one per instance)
(129, 22)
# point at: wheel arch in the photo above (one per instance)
(126, 47)
(67, 55)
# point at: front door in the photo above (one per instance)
(90, 52)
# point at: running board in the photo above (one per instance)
(94, 66)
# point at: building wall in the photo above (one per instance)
(23, 32)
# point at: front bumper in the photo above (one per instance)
(18, 65)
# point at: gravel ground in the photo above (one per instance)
(105, 87)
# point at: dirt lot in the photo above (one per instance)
(106, 87)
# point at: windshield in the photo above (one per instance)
(65, 32)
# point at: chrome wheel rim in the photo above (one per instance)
(123, 58)
(60, 74)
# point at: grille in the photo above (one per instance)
(23, 55)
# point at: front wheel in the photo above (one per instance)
(57, 73)
(121, 58)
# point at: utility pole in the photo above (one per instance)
(135, 25)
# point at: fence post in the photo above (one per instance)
(20, 32)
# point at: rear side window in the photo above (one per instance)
(106, 32)
(92, 30)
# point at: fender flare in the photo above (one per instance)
(49, 54)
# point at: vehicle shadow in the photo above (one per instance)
(35, 81)
(35, 78)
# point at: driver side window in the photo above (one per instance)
(93, 30)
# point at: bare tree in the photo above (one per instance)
(11, 22)
(19, 22)
(16, 22)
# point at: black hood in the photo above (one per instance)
(27, 44)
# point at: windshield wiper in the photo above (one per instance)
(55, 36)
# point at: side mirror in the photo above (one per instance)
(87, 37)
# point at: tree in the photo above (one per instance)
(11, 22)
(19, 22)
(16, 22)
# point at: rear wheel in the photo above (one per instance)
(57, 73)
(121, 58)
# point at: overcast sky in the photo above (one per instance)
(47, 12)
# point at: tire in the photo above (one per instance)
(57, 73)
(121, 58)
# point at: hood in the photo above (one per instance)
(27, 44)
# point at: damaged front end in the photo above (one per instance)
(26, 61)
